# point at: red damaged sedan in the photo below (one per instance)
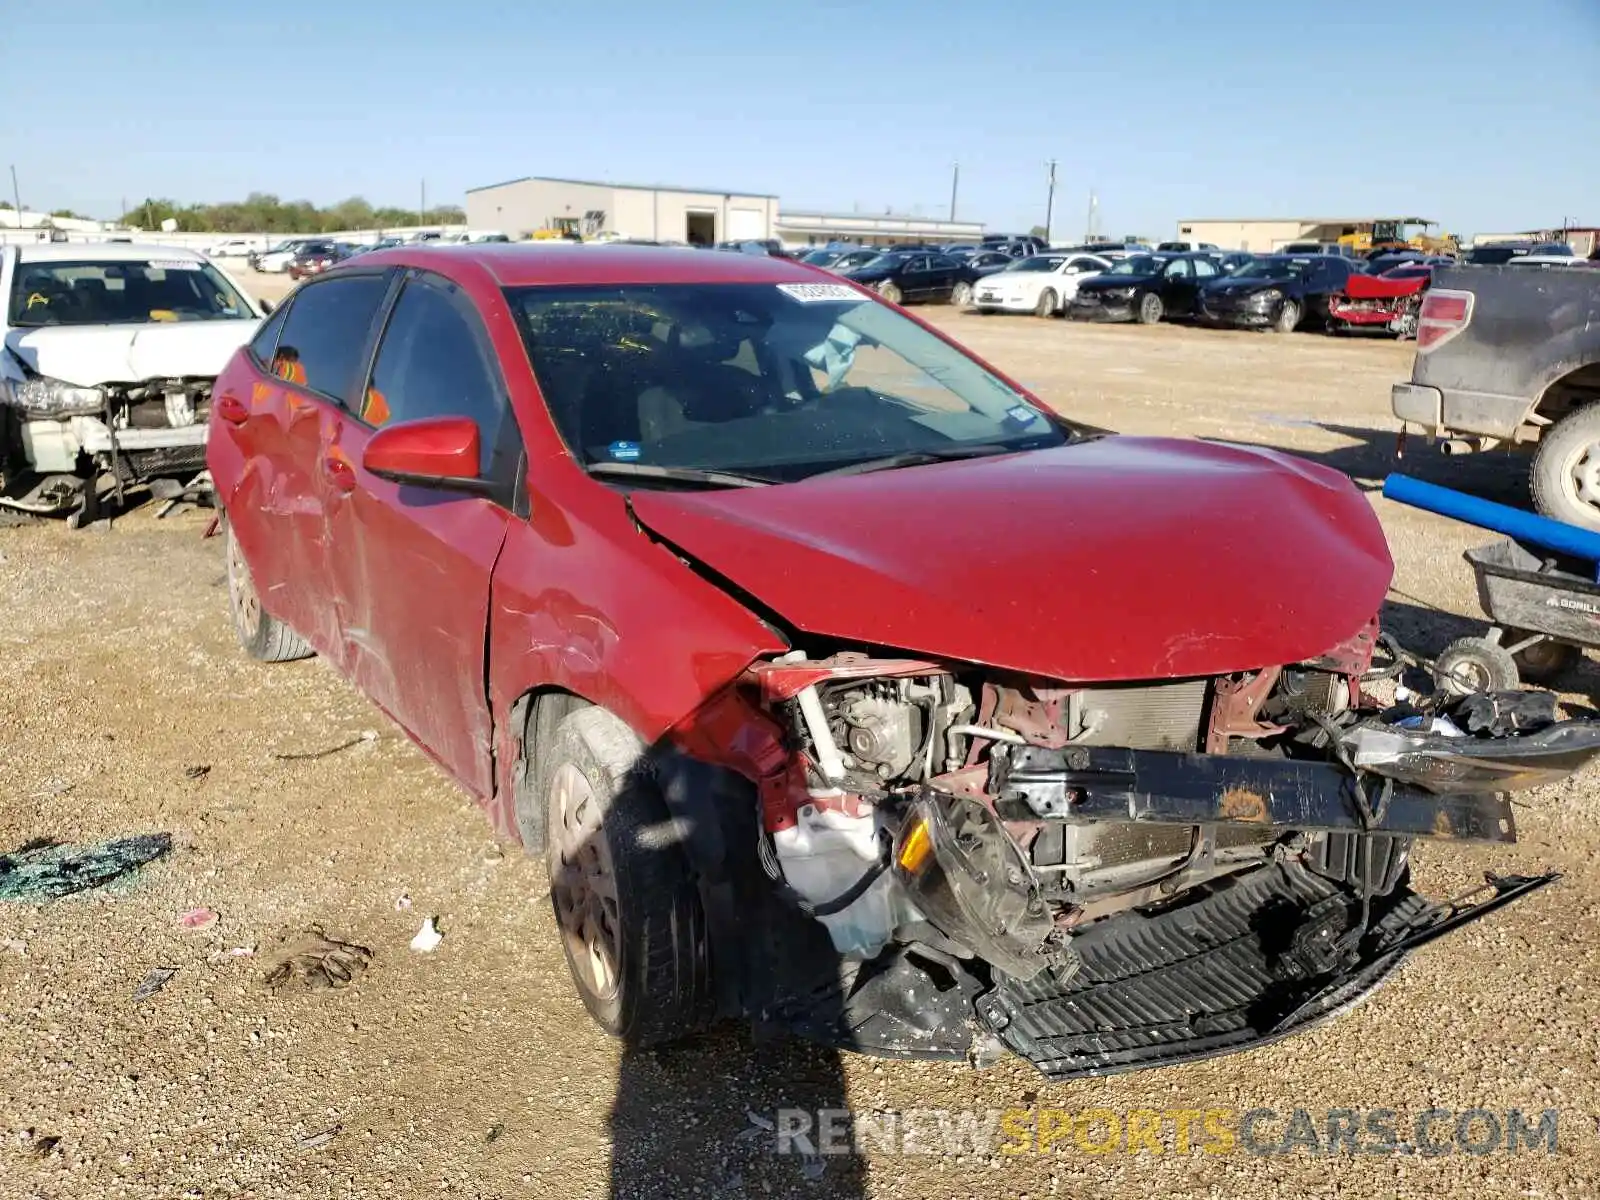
(843, 686)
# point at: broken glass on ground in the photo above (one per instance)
(45, 870)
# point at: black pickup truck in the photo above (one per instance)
(1511, 355)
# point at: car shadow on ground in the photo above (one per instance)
(1369, 455)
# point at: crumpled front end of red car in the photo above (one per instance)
(1112, 876)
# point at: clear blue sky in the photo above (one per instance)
(1482, 113)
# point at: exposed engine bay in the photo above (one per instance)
(1018, 833)
(64, 448)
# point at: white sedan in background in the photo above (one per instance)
(1042, 284)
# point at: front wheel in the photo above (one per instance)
(1288, 317)
(1047, 304)
(961, 295)
(1150, 309)
(1565, 476)
(890, 292)
(262, 635)
(630, 917)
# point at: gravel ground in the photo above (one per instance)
(474, 1070)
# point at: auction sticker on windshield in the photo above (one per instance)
(814, 293)
(173, 264)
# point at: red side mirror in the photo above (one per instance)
(436, 451)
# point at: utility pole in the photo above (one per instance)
(1050, 199)
(422, 205)
(955, 181)
(16, 194)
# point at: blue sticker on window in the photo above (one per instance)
(624, 451)
(1022, 414)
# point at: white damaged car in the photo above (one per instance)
(1042, 284)
(110, 351)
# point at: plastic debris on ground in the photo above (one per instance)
(312, 1140)
(428, 937)
(47, 871)
(154, 980)
(197, 920)
(402, 902)
(315, 960)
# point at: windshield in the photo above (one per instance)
(123, 293)
(1272, 268)
(776, 381)
(1139, 264)
(1039, 262)
(821, 258)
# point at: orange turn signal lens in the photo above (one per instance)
(915, 847)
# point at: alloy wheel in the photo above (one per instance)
(583, 882)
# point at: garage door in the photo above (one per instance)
(746, 225)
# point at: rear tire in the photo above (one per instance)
(1047, 304)
(262, 635)
(1150, 310)
(1473, 664)
(632, 926)
(1565, 477)
(1547, 662)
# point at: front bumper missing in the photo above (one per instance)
(1253, 961)
(1103, 783)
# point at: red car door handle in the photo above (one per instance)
(232, 409)
(340, 473)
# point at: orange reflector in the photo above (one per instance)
(916, 847)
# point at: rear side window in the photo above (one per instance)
(432, 363)
(265, 342)
(325, 332)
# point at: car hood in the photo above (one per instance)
(87, 355)
(1114, 558)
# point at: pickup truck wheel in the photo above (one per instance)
(961, 295)
(889, 292)
(1288, 317)
(262, 635)
(1150, 309)
(631, 923)
(1047, 304)
(1565, 477)
(1473, 664)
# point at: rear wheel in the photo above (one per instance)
(889, 291)
(1565, 477)
(1047, 304)
(262, 635)
(1288, 317)
(1150, 310)
(631, 923)
(1546, 661)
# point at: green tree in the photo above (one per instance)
(68, 214)
(1039, 231)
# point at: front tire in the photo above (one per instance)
(890, 292)
(1288, 317)
(1565, 477)
(1150, 310)
(1047, 304)
(263, 636)
(961, 294)
(631, 922)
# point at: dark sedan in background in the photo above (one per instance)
(903, 278)
(1145, 288)
(1281, 292)
(313, 258)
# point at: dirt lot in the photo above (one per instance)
(474, 1071)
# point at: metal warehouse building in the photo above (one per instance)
(698, 216)
(1264, 234)
(817, 229)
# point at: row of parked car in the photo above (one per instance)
(300, 257)
(1130, 282)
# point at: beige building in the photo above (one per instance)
(522, 207)
(818, 229)
(1265, 234)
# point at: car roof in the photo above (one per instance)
(101, 252)
(532, 264)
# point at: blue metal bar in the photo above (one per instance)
(1513, 522)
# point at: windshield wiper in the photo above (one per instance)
(677, 474)
(917, 458)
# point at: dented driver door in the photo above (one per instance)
(410, 564)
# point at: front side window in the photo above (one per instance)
(432, 364)
(779, 382)
(1179, 268)
(158, 291)
(325, 333)
(1138, 264)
